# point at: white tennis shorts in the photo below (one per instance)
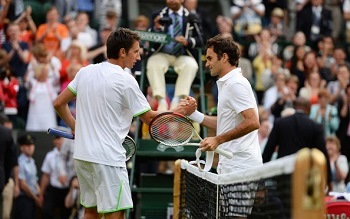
(106, 187)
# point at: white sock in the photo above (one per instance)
(176, 100)
(162, 101)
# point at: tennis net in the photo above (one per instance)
(290, 187)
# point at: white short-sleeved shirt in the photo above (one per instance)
(342, 162)
(50, 167)
(107, 100)
(235, 96)
(28, 172)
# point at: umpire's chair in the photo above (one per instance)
(171, 76)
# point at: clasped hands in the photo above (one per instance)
(186, 106)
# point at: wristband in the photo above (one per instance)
(197, 116)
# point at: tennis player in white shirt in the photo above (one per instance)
(237, 121)
(107, 99)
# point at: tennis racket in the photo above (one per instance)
(128, 144)
(172, 129)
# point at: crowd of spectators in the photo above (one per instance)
(289, 49)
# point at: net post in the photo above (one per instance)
(177, 189)
(308, 184)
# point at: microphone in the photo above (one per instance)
(195, 20)
(165, 21)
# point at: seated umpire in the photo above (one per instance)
(185, 30)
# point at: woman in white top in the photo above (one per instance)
(42, 93)
(339, 164)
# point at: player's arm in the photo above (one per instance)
(185, 107)
(249, 124)
(62, 109)
(210, 121)
(196, 116)
(148, 116)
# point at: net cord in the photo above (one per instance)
(281, 166)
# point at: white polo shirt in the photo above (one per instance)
(235, 96)
(107, 100)
(50, 167)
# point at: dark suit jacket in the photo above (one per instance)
(293, 133)
(305, 19)
(8, 155)
(195, 38)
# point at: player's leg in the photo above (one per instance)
(91, 213)
(115, 215)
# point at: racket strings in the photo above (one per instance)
(130, 148)
(172, 130)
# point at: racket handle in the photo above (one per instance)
(227, 154)
(60, 133)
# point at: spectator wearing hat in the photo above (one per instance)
(26, 203)
(277, 25)
(285, 5)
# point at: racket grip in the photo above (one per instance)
(227, 154)
(60, 133)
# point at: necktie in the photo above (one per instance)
(316, 12)
(177, 32)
